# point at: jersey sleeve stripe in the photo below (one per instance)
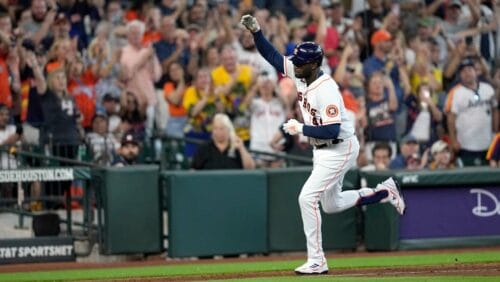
(493, 145)
(449, 99)
(332, 122)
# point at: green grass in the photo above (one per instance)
(242, 267)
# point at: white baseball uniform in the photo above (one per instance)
(321, 104)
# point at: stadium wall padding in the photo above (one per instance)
(132, 216)
(216, 212)
(238, 211)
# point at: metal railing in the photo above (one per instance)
(26, 164)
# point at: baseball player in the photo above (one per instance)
(332, 136)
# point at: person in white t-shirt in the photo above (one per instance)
(472, 113)
(267, 115)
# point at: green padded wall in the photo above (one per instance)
(216, 212)
(131, 204)
(285, 224)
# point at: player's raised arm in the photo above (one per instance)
(266, 49)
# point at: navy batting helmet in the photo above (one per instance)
(307, 52)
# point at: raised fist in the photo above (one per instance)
(250, 23)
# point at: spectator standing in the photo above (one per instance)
(153, 19)
(459, 19)
(381, 106)
(42, 17)
(472, 112)
(61, 28)
(82, 91)
(380, 60)
(77, 12)
(9, 70)
(342, 24)
(173, 91)
(201, 105)
(232, 81)
(171, 46)
(62, 131)
(369, 20)
(31, 108)
(225, 150)
(267, 115)
(425, 119)
(388, 58)
(104, 63)
(142, 70)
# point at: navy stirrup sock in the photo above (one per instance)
(375, 198)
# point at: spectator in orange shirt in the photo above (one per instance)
(82, 92)
(8, 61)
(174, 90)
(152, 21)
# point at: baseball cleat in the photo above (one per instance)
(395, 195)
(312, 268)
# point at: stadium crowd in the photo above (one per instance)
(421, 79)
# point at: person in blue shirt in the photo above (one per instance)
(408, 146)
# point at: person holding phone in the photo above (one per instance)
(424, 117)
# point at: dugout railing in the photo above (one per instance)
(31, 181)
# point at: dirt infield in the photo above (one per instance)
(480, 269)
(457, 269)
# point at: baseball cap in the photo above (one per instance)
(438, 146)
(409, 138)
(466, 62)
(129, 138)
(380, 35)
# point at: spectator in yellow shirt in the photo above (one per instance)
(201, 105)
(232, 81)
